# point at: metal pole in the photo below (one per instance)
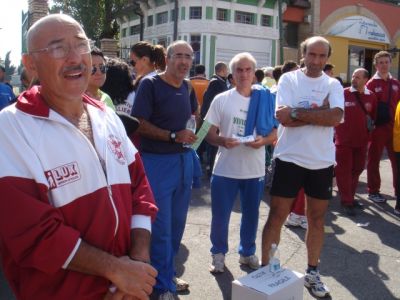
(280, 24)
(176, 9)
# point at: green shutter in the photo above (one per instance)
(212, 52)
(159, 2)
(183, 11)
(270, 4)
(271, 21)
(248, 2)
(273, 53)
(209, 13)
(255, 19)
(203, 56)
(229, 15)
(133, 17)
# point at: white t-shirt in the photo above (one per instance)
(309, 146)
(228, 112)
(126, 107)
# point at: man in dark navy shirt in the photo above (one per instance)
(163, 106)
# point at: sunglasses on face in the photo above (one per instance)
(102, 69)
(133, 63)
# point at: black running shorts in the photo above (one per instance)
(289, 178)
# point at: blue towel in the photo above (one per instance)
(261, 113)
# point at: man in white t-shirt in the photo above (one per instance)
(309, 104)
(239, 164)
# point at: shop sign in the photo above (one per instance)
(359, 27)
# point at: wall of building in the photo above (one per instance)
(385, 13)
(220, 40)
(383, 17)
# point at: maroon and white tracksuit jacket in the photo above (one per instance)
(382, 136)
(56, 193)
(351, 139)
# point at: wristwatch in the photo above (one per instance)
(293, 113)
(172, 137)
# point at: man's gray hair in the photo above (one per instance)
(242, 56)
(170, 49)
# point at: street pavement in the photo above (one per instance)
(360, 258)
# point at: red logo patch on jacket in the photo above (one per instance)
(115, 146)
(62, 175)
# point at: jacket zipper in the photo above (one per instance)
(109, 190)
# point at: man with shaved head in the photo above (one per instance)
(76, 208)
(309, 104)
(351, 138)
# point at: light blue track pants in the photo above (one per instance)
(170, 177)
(223, 193)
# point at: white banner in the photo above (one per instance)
(359, 27)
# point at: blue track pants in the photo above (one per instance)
(170, 177)
(223, 193)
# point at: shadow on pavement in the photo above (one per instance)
(358, 272)
(224, 281)
(181, 259)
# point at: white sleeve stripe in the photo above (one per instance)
(71, 256)
(141, 221)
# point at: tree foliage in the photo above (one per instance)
(10, 69)
(98, 17)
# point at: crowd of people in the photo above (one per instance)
(98, 164)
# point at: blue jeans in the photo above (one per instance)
(170, 177)
(223, 193)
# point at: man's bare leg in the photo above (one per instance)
(279, 210)
(316, 209)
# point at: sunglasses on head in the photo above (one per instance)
(102, 68)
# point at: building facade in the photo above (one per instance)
(217, 30)
(357, 30)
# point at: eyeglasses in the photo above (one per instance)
(102, 69)
(182, 56)
(62, 49)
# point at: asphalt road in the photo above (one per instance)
(360, 257)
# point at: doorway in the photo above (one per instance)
(360, 57)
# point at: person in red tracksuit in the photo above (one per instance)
(351, 138)
(384, 86)
(76, 206)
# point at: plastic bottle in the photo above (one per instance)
(191, 125)
(274, 263)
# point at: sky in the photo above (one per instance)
(10, 32)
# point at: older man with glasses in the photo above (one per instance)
(76, 205)
(163, 106)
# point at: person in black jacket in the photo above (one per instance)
(216, 86)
